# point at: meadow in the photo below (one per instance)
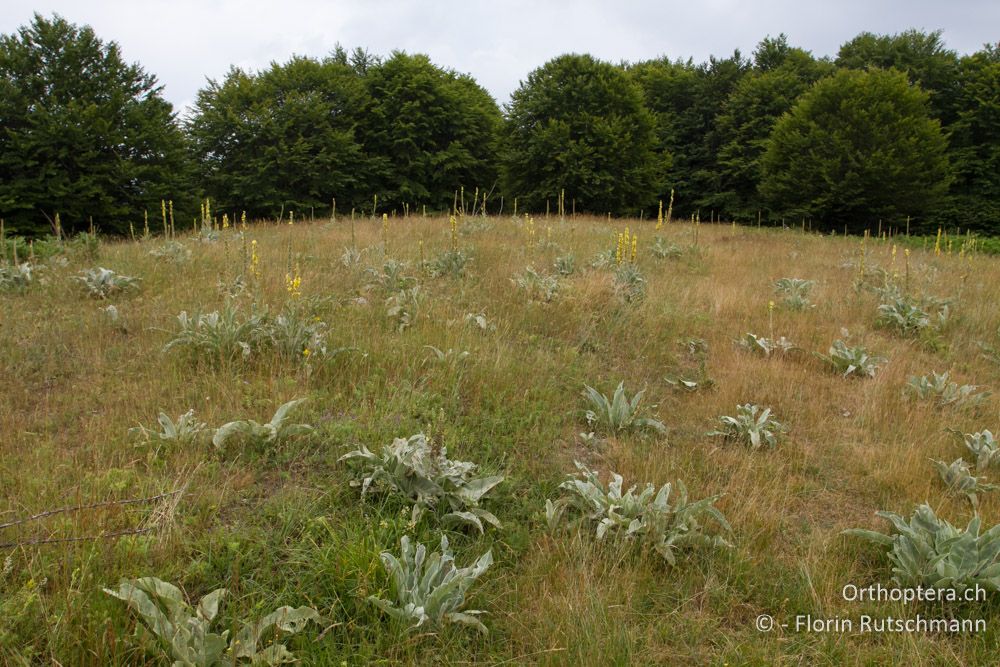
(389, 328)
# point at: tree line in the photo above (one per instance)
(894, 128)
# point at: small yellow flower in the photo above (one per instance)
(770, 305)
(306, 352)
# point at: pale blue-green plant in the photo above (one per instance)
(185, 430)
(297, 334)
(449, 263)
(795, 292)
(619, 414)
(603, 259)
(765, 346)
(429, 590)
(630, 285)
(257, 435)
(538, 286)
(421, 472)
(959, 479)
(479, 321)
(350, 257)
(565, 265)
(100, 283)
(751, 426)
(903, 315)
(662, 249)
(16, 277)
(185, 633)
(403, 307)
(391, 277)
(650, 517)
(172, 251)
(936, 387)
(451, 357)
(222, 336)
(930, 552)
(851, 361)
(983, 447)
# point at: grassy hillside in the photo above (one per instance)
(281, 524)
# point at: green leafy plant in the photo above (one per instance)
(932, 553)
(429, 590)
(185, 430)
(259, 435)
(421, 472)
(86, 245)
(225, 335)
(538, 286)
(937, 388)
(750, 428)
(100, 283)
(620, 413)
(959, 479)
(851, 361)
(795, 292)
(185, 633)
(651, 517)
(765, 346)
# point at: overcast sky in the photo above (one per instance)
(183, 42)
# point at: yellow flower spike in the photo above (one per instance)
(225, 221)
(634, 245)
(291, 217)
(937, 243)
(659, 217)
(254, 260)
(770, 305)
(243, 220)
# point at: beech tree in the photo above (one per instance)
(83, 134)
